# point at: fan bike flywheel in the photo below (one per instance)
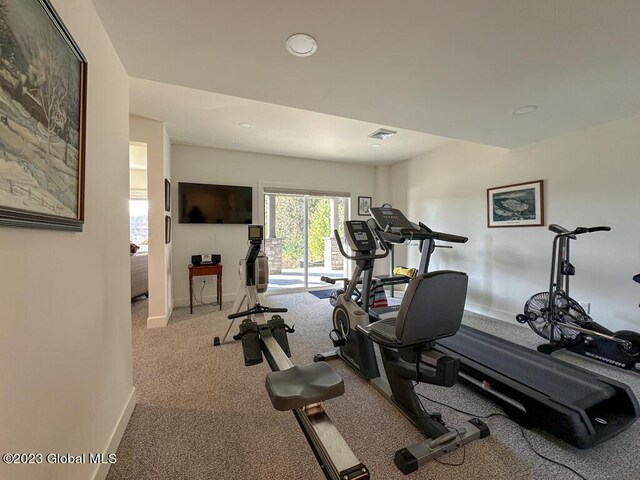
(567, 310)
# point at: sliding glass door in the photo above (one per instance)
(285, 233)
(299, 238)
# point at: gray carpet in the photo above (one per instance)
(202, 414)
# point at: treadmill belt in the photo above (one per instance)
(536, 370)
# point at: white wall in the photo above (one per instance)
(591, 178)
(168, 248)
(384, 187)
(399, 199)
(65, 336)
(154, 135)
(207, 165)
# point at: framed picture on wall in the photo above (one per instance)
(364, 204)
(42, 119)
(519, 205)
(167, 195)
(167, 229)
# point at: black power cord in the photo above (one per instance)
(200, 300)
(496, 414)
(464, 453)
(204, 284)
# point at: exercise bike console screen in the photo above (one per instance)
(359, 236)
(255, 233)
(390, 217)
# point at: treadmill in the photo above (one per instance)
(534, 389)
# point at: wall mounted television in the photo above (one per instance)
(205, 203)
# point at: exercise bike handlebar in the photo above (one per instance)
(390, 237)
(360, 257)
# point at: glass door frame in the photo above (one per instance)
(305, 193)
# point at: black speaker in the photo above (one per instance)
(206, 259)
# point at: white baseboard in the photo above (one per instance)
(100, 473)
(155, 322)
(490, 312)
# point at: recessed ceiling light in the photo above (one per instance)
(376, 145)
(302, 45)
(244, 125)
(525, 110)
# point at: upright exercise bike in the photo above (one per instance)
(431, 308)
(558, 318)
(301, 389)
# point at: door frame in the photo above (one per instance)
(309, 190)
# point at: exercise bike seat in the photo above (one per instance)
(431, 308)
(303, 385)
(386, 327)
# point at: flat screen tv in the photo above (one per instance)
(204, 203)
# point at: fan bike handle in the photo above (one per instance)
(555, 228)
(599, 229)
(563, 232)
(360, 257)
(581, 230)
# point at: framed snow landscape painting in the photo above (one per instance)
(43, 77)
(519, 205)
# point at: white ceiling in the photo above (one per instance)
(455, 68)
(196, 117)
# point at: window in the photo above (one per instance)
(139, 223)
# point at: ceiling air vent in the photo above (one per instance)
(382, 133)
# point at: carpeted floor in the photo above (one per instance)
(201, 414)
(322, 293)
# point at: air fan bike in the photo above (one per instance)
(558, 318)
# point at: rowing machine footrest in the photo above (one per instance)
(279, 331)
(250, 343)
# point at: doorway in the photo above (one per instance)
(299, 239)
(138, 219)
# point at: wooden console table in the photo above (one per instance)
(202, 270)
